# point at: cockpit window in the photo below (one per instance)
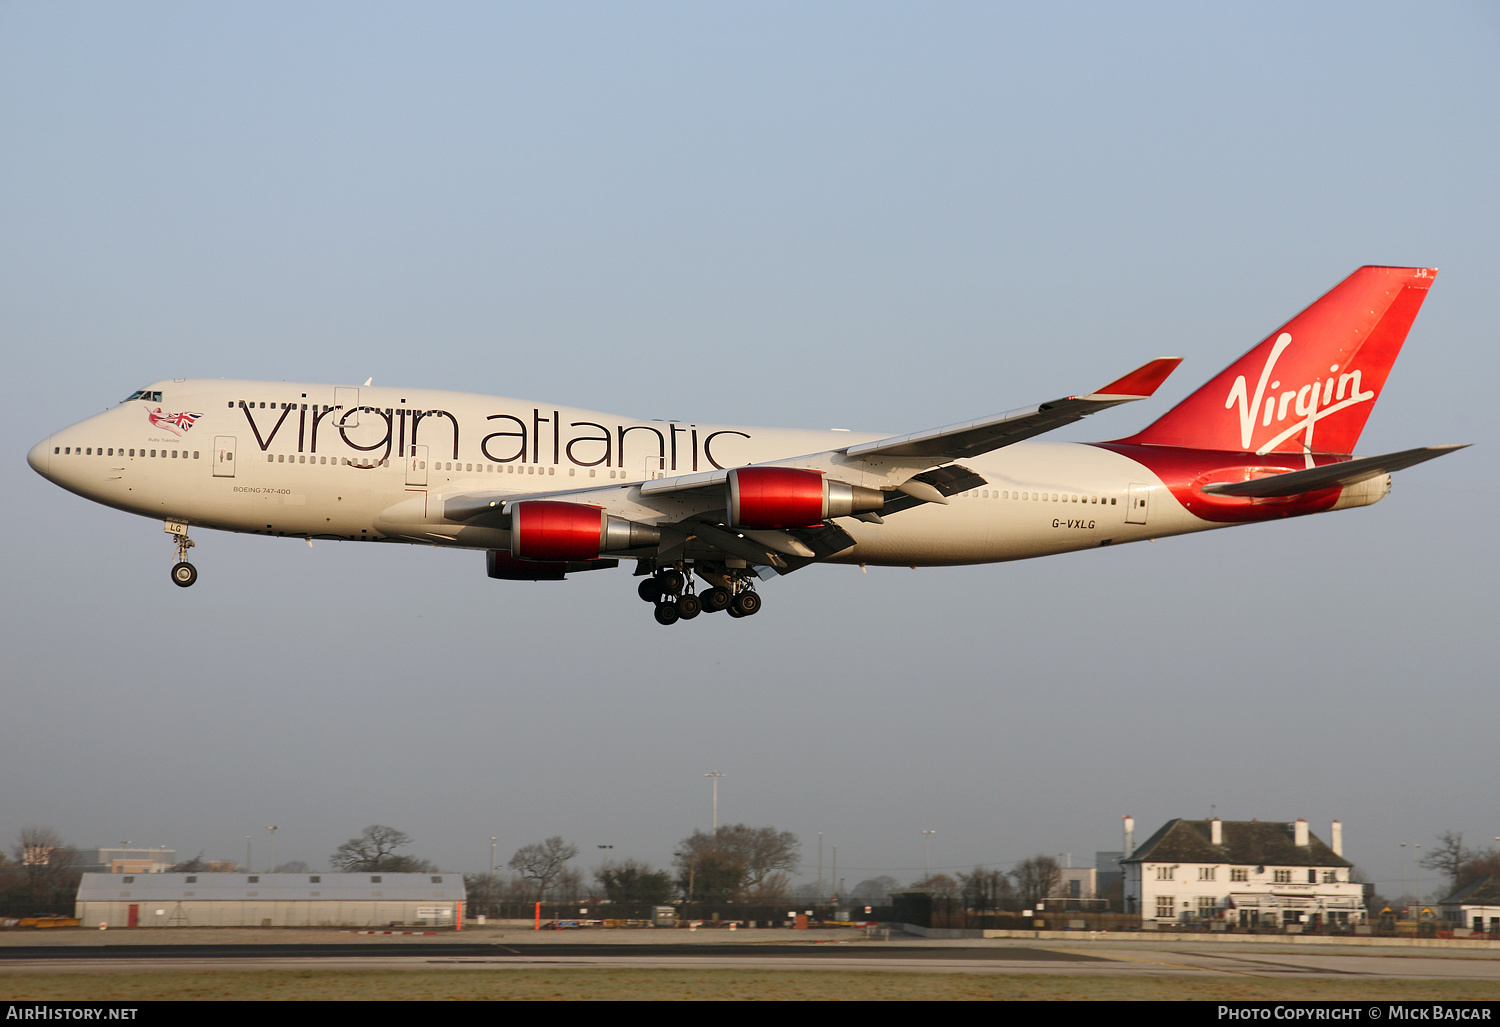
(145, 394)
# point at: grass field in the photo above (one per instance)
(700, 985)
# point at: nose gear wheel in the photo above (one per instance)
(183, 573)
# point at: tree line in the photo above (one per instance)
(737, 863)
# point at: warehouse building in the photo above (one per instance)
(271, 900)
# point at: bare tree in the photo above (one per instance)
(773, 890)
(1036, 878)
(738, 860)
(375, 851)
(1461, 864)
(710, 876)
(875, 891)
(1448, 855)
(490, 894)
(542, 862)
(1482, 863)
(568, 885)
(483, 891)
(940, 886)
(631, 881)
(45, 872)
(987, 891)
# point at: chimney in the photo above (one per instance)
(1337, 834)
(1299, 833)
(1129, 836)
(1216, 831)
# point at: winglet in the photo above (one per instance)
(1141, 382)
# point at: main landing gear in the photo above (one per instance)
(672, 593)
(183, 573)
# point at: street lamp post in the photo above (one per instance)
(715, 775)
(1405, 880)
(1416, 857)
(272, 829)
(927, 857)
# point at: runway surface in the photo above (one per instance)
(1094, 959)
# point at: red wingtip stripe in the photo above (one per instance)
(1143, 381)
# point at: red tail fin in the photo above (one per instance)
(1310, 386)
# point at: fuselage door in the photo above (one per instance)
(416, 466)
(346, 401)
(1137, 499)
(223, 456)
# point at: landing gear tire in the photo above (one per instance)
(745, 604)
(184, 574)
(716, 600)
(689, 606)
(734, 613)
(649, 589)
(671, 582)
(667, 613)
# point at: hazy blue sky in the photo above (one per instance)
(877, 216)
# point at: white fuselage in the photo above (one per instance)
(320, 461)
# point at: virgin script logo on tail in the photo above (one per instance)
(1310, 403)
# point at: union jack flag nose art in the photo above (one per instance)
(178, 423)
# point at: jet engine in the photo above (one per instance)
(790, 497)
(500, 564)
(542, 529)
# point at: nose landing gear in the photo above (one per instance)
(183, 573)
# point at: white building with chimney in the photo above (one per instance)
(1250, 873)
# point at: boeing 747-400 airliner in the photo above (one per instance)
(546, 490)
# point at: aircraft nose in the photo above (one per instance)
(40, 456)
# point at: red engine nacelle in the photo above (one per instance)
(500, 564)
(790, 497)
(542, 529)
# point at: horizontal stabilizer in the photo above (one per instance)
(1349, 472)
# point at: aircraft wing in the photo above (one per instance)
(968, 438)
(971, 438)
(914, 469)
(1348, 472)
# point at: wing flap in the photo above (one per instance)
(948, 481)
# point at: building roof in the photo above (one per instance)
(270, 887)
(1246, 843)
(1483, 892)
